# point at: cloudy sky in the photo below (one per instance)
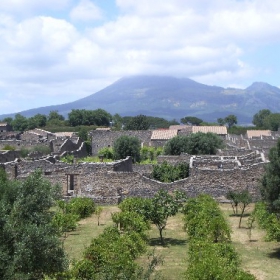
(57, 51)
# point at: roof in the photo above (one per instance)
(3, 124)
(103, 128)
(163, 134)
(258, 133)
(64, 134)
(221, 130)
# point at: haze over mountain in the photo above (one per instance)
(173, 98)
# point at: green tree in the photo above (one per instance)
(38, 120)
(272, 121)
(191, 120)
(163, 206)
(139, 122)
(54, 115)
(176, 145)
(20, 123)
(221, 121)
(30, 246)
(167, 173)
(270, 182)
(258, 118)
(127, 146)
(230, 120)
(195, 144)
(98, 211)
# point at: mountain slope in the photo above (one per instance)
(171, 98)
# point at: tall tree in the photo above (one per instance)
(30, 245)
(230, 120)
(272, 121)
(270, 183)
(258, 118)
(191, 120)
(139, 122)
(127, 146)
(20, 123)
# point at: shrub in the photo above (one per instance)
(81, 206)
(65, 222)
(9, 148)
(107, 152)
(167, 173)
(45, 150)
(24, 152)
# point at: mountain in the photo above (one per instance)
(173, 98)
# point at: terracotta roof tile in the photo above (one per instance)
(163, 134)
(221, 130)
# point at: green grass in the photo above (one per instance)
(257, 256)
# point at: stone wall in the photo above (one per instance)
(102, 139)
(6, 156)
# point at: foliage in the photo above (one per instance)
(106, 152)
(38, 120)
(191, 120)
(258, 118)
(127, 146)
(163, 206)
(97, 212)
(268, 221)
(81, 206)
(67, 159)
(131, 222)
(270, 182)
(241, 199)
(29, 243)
(45, 150)
(150, 153)
(139, 122)
(53, 115)
(83, 133)
(176, 145)
(139, 205)
(217, 261)
(19, 123)
(97, 117)
(204, 220)
(221, 121)
(230, 120)
(111, 256)
(24, 152)
(211, 256)
(65, 221)
(194, 144)
(167, 173)
(272, 121)
(9, 148)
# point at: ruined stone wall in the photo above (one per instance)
(6, 156)
(18, 144)
(174, 159)
(101, 138)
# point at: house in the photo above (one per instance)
(4, 127)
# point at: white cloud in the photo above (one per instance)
(86, 11)
(205, 40)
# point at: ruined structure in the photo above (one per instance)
(237, 167)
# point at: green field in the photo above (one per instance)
(258, 257)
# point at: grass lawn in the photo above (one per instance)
(257, 256)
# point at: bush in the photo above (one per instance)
(45, 150)
(127, 146)
(9, 148)
(65, 222)
(81, 206)
(24, 152)
(107, 152)
(167, 173)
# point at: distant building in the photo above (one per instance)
(4, 127)
(257, 133)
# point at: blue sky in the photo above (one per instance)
(57, 51)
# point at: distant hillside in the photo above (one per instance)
(173, 98)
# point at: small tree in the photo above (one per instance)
(165, 205)
(230, 120)
(245, 199)
(127, 146)
(98, 212)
